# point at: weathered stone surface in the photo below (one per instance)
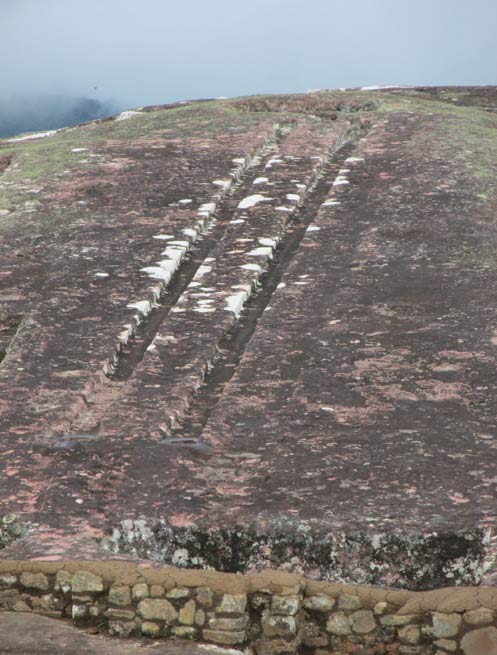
(285, 605)
(380, 608)
(120, 595)
(37, 581)
(348, 602)
(228, 623)
(479, 616)
(446, 625)
(157, 591)
(7, 580)
(280, 626)
(410, 634)
(187, 613)
(339, 624)
(363, 622)
(319, 603)
(199, 617)
(84, 582)
(139, 591)
(204, 596)
(398, 619)
(79, 611)
(116, 614)
(177, 593)
(447, 645)
(480, 642)
(226, 638)
(158, 609)
(150, 629)
(278, 647)
(232, 604)
(123, 628)
(184, 632)
(63, 581)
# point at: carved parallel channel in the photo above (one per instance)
(233, 345)
(132, 353)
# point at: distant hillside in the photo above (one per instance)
(34, 113)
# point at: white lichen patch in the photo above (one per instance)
(330, 203)
(157, 273)
(294, 197)
(340, 180)
(236, 302)
(143, 306)
(185, 201)
(201, 271)
(252, 267)
(261, 180)
(251, 201)
(354, 159)
(273, 162)
(281, 208)
(281, 285)
(207, 208)
(313, 228)
(261, 252)
(224, 184)
(163, 237)
(100, 274)
(239, 160)
(190, 232)
(265, 241)
(126, 115)
(237, 221)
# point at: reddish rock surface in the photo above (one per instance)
(342, 423)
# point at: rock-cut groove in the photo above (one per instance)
(232, 347)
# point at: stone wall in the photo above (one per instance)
(270, 612)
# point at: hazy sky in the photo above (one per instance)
(156, 51)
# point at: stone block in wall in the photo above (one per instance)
(8, 598)
(178, 593)
(184, 632)
(349, 602)
(363, 622)
(313, 637)
(38, 581)
(187, 613)
(150, 629)
(204, 596)
(339, 624)
(280, 626)
(480, 641)
(447, 645)
(380, 608)
(63, 581)
(232, 604)
(120, 595)
(79, 611)
(199, 617)
(409, 634)
(21, 606)
(7, 580)
(139, 591)
(115, 614)
(228, 623)
(157, 609)
(122, 628)
(285, 605)
(225, 638)
(480, 616)
(157, 591)
(399, 619)
(84, 582)
(319, 603)
(446, 625)
(276, 647)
